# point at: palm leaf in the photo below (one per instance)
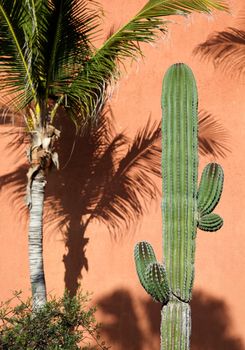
(226, 49)
(37, 37)
(85, 93)
(43, 46)
(145, 27)
(16, 79)
(212, 136)
(73, 24)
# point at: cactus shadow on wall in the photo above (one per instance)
(210, 323)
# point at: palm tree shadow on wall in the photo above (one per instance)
(226, 49)
(123, 329)
(210, 323)
(104, 176)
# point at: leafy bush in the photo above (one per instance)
(66, 323)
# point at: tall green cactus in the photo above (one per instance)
(184, 208)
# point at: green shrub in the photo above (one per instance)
(66, 323)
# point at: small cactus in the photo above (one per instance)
(184, 208)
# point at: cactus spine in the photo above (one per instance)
(184, 208)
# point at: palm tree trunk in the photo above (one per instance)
(38, 285)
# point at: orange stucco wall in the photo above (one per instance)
(131, 320)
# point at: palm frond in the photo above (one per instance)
(226, 50)
(147, 25)
(36, 41)
(130, 190)
(212, 136)
(43, 46)
(88, 88)
(16, 79)
(73, 25)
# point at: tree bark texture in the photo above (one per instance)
(38, 285)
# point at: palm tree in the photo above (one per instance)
(48, 63)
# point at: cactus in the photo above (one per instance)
(184, 208)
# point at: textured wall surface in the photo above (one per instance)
(131, 320)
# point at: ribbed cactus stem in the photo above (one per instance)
(176, 326)
(180, 161)
(184, 208)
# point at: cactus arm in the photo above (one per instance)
(179, 126)
(152, 275)
(210, 222)
(210, 188)
(143, 256)
(157, 282)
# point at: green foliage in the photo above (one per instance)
(66, 323)
(47, 53)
